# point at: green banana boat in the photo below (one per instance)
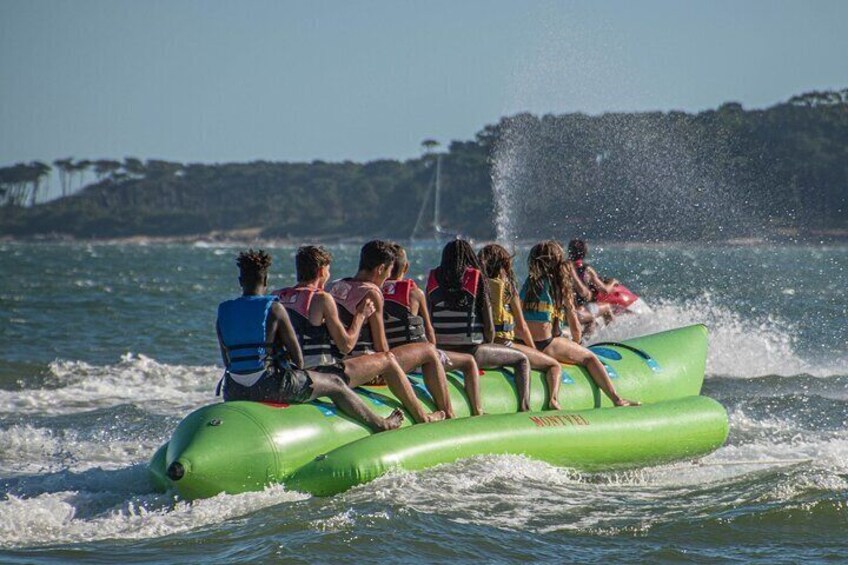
(237, 447)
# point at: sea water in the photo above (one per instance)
(104, 348)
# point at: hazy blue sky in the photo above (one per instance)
(236, 81)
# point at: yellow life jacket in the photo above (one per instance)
(501, 296)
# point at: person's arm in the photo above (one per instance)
(419, 298)
(344, 339)
(486, 314)
(522, 330)
(579, 286)
(599, 283)
(378, 330)
(285, 336)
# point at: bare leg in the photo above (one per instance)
(364, 368)
(424, 355)
(567, 351)
(333, 387)
(552, 368)
(466, 363)
(491, 356)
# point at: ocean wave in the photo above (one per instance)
(515, 493)
(76, 386)
(772, 462)
(30, 449)
(75, 516)
(740, 346)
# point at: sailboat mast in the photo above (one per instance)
(436, 227)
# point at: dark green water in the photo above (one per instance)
(104, 348)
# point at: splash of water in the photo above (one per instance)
(739, 347)
(508, 165)
(93, 513)
(76, 386)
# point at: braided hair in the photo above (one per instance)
(546, 262)
(253, 266)
(457, 256)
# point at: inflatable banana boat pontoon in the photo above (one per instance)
(236, 447)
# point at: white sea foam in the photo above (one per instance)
(76, 386)
(78, 516)
(739, 346)
(782, 465)
(28, 449)
(349, 519)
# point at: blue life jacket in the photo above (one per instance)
(242, 325)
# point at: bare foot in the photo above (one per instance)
(435, 416)
(393, 421)
(625, 402)
(477, 412)
(553, 404)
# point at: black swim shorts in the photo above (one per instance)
(290, 386)
(337, 368)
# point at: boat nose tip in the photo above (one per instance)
(176, 471)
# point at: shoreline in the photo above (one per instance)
(252, 237)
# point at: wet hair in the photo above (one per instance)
(375, 253)
(400, 262)
(576, 250)
(309, 260)
(496, 259)
(546, 262)
(457, 256)
(253, 266)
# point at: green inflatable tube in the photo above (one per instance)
(592, 440)
(237, 447)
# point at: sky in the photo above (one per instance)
(212, 81)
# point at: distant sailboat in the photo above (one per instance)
(439, 233)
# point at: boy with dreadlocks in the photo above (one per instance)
(509, 319)
(262, 356)
(458, 301)
(547, 299)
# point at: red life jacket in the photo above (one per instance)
(315, 342)
(348, 293)
(297, 299)
(401, 326)
(454, 311)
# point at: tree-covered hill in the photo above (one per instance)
(721, 173)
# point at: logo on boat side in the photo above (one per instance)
(559, 420)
